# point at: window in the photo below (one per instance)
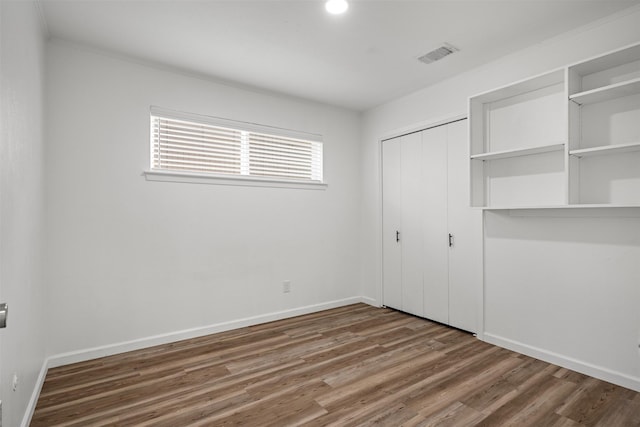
(190, 144)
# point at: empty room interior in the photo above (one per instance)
(283, 213)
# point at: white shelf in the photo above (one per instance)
(508, 208)
(606, 93)
(570, 206)
(607, 61)
(606, 149)
(521, 87)
(518, 152)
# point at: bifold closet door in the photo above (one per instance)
(432, 240)
(465, 225)
(391, 218)
(412, 219)
(435, 262)
(402, 217)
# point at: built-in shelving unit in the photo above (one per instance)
(567, 138)
(518, 143)
(604, 130)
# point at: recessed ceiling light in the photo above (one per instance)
(336, 7)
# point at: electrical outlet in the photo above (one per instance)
(14, 382)
(286, 286)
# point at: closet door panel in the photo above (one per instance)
(391, 218)
(434, 220)
(465, 224)
(412, 225)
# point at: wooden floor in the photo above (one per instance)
(354, 365)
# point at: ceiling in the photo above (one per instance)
(358, 60)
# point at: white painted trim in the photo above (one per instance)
(380, 224)
(31, 405)
(595, 371)
(108, 350)
(122, 347)
(481, 294)
(202, 178)
(424, 125)
(111, 349)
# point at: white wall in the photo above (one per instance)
(130, 258)
(22, 348)
(566, 283)
(450, 98)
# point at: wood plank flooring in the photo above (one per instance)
(351, 366)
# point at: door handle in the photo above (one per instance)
(397, 236)
(4, 312)
(450, 240)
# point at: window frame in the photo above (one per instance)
(167, 175)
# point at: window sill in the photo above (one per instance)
(198, 178)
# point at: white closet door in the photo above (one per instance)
(434, 219)
(412, 219)
(465, 224)
(391, 219)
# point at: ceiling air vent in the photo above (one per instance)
(438, 53)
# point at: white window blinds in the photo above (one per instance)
(198, 145)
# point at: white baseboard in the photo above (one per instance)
(595, 371)
(122, 347)
(31, 406)
(111, 349)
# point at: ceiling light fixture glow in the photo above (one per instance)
(336, 7)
